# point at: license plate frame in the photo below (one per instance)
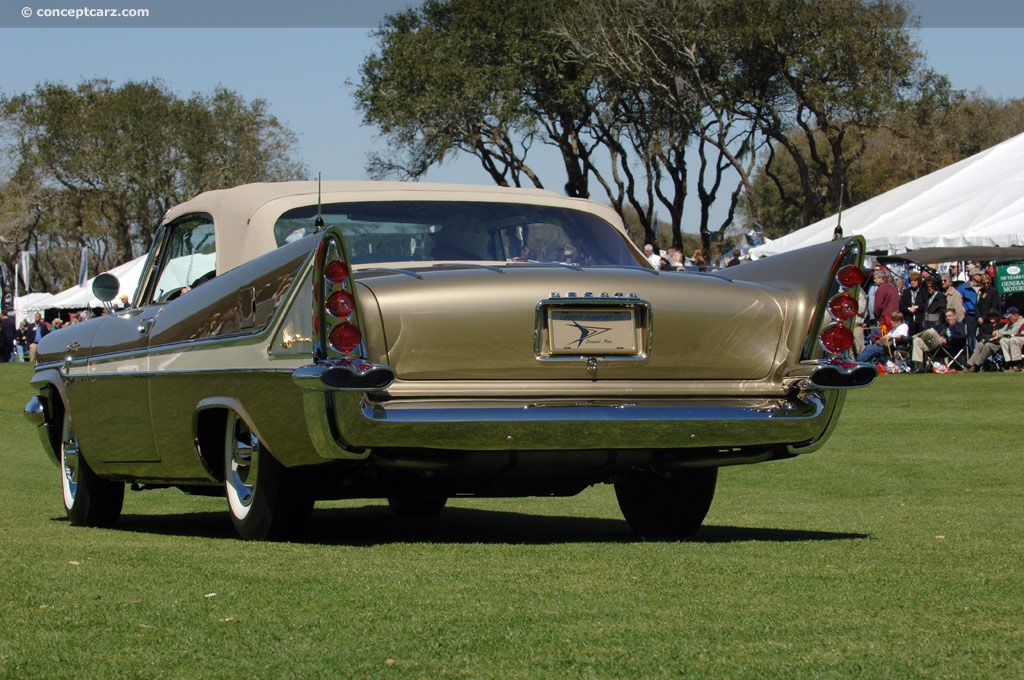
(593, 331)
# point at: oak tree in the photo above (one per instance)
(97, 165)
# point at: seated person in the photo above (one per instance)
(527, 254)
(1012, 344)
(874, 353)
(201, 280)
(948, 332)
(992, 344)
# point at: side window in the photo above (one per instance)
(189, 258)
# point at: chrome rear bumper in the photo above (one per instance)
(349, 423)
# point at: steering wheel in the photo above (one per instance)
(204, 278)
(172, 294)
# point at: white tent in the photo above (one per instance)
(80, 297)
(26, 305)
(976, 202)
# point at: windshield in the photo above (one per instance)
(189, 258)
(440, 231)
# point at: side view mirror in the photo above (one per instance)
(105, 287)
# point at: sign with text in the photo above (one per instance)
(1010, 278)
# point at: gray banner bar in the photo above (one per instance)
(969, 13)
(365, 13)
(198, 13)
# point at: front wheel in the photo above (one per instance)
(661, 507)
(267, 501)
(89, 501)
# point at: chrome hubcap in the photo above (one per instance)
(242, 450)
(69, 463)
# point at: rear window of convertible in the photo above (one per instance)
(431, 231)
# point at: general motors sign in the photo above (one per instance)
(1010, 278)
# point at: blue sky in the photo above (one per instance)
(304, 74)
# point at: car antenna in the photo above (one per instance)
(838, 232)
(319, 223)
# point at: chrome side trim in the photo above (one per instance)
(468, 265)
(385, 270)
(195, 371)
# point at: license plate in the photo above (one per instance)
(592, 331)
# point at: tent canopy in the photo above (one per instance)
(80, 297)
(972, 253)
(27, 305)
(976, 202)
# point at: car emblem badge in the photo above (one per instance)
(587, 332)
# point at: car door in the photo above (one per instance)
(175, 336)
(121, 367)
(117, 389)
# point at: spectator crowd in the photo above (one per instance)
(938, 318)
(18, 341)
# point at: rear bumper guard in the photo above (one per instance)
(841, 374)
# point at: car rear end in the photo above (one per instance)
(612, 365)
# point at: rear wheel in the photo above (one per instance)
(417, 506)
(267, 500)
(89, 501)
(666, 507)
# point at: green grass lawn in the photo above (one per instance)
(896, 551)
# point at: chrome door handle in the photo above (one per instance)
(145, 325)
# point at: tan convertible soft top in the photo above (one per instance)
(244, 216)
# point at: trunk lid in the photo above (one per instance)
(494, 323)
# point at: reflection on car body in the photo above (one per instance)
(434, 341)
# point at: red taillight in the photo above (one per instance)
(843, 307)
(850, 276)
(336, 271)
(837, 338)
(345, 337)
(340, 304)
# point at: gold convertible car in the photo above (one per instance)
(294, 341)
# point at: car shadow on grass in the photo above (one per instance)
(376, 525)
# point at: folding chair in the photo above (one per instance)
(994, 362)
(899, 351)
(952, 355)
